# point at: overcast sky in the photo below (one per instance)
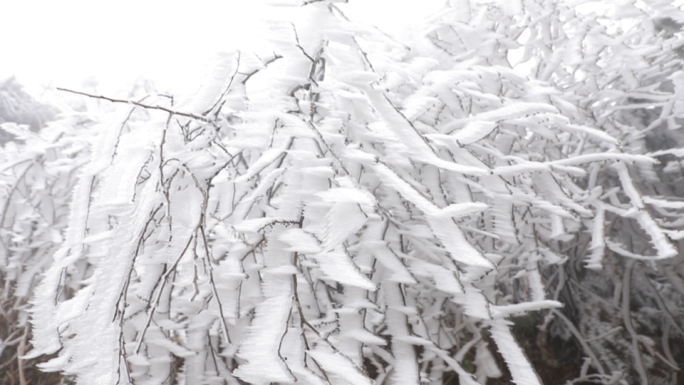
(64, 43)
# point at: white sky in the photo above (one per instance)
(63, 43)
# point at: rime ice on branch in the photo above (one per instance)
(347, 208)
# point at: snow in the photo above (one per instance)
(343, 219)
(404, 363)
(509, 310)
(347, 194)
(518, 365)
(264, 161)
(262, 343)
(663, 246)
(458, 210)
(598, 157)
(513, 110)
(300, 241)
(365, 337)
(445, 280)
(339, 267)
(20, 131)
(443, 227)
(663, 203)
(474, 302)
(473, 131)
(256, 225)
(486, 363)
(387, 258)
(598, 245)
(352, 198)
(341, 366)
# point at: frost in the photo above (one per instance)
(444, 279)
(20, 131)
(263, 364)
(473, 131)
(511, 111)
(391, 261)
(336, 364)
(509, 310)
(663, 203)
(518, 365)
(300, 241)
(350, 195)
(462, 209)
(343, 220)
(344, 207)
(365, 337)
(339, 267)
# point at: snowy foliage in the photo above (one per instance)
(17, 106)
(37, 175)
(349, 209)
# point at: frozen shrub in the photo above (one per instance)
(346, 208)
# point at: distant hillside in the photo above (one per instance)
(16, 105)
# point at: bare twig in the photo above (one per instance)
(164, 279)
(146, 106)
(580, 338)
(22, 351)
(210, 270)
(123, 124)
(627, 317)
(606, 334)
(661, 304)
(230, 83)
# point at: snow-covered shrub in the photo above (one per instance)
(346, 208)
(37, 173)
(17, 106)
(621, 64)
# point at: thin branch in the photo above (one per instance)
(123, 124)
(146, 106)
(164, 278)
(22, 351)
(661, 304)
(581, 340)
(230, 83)
(252, 73)
(298, 45)
(210, 270)
(627, 317)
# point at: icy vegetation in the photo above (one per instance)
(344, 208)
(17, 106)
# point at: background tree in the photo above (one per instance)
(17, 106)
(37, 175)
(346, 208)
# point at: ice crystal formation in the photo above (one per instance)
(345, 208)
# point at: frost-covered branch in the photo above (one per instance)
(357, 211)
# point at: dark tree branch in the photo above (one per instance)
(142, 105)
